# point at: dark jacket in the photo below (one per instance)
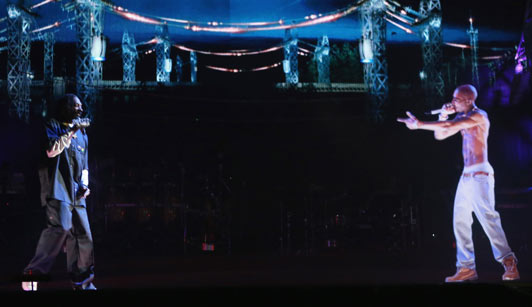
(60, 176)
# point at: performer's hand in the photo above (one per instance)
(411, 122)
(83, 192)
(87, 192)
(447, 109)
(80, 123)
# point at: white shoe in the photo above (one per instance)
(29, 285)
(89, 286)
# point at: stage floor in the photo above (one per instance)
(273, 279)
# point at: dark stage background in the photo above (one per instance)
(264, 172)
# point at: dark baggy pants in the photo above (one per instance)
(67, 226)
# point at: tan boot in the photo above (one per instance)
(510, 268)
(463, 274)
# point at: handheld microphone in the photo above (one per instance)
(434, 112)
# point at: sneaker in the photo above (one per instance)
(86, 286)
(510, 268)
(29, 285)
(463, 274)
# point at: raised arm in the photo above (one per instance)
(60, 137)
(444, 129)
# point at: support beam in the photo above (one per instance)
(376, 67)
(290, 64)
(321, 55)
(523, 56)
(179, 69)
(164, 63)
(431, 48)
(129, 57)
(89, 24)
(18, 62)
(473, 42)
(193, 67)
(49, 41)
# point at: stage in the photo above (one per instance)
(331, 277)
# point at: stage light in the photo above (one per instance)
(168, 65)
(286, 66)
(98, 48)
(435, 22)
(519, 68)
(425, 34)
(366, 51)
(12, 11)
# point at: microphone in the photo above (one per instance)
(434, 112)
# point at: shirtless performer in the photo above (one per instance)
(475, 192)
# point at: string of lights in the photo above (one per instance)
(463, 46)
(305, 51)
(48, 27)
(41, 4)
(407, 30)
(229, 53)
(239, 70)
(241, 27)
(399, 16)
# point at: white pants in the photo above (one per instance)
(476, 194)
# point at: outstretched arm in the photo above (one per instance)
(443, 129)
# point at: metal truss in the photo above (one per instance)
(49, 41)
(129, 57)
(431, 48)
(97, 31)
(193, 67)
(89, 24)
(322, 58)
(523, 56)
(290, 64)
(473, 41)
(164, 63)
(18, 62)
(179, 68)
(376, 69)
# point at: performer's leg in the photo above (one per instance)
(80, 252)
(489, 218)
(462, 221)
(58, 216)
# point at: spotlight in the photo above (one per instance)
(366, 52)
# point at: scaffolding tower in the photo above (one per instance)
(376, 67)
(290, 65)
(523, 55)
(129, 57)
(89, 25)
(179, 69)
(473, 41)
(49, 41)
(162, 49)
(527, 31)
(322, 58)
(18, 62)
(193, 67)
(431, 48)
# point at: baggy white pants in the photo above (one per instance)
(477, 194)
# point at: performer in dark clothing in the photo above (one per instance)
(64, 177)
